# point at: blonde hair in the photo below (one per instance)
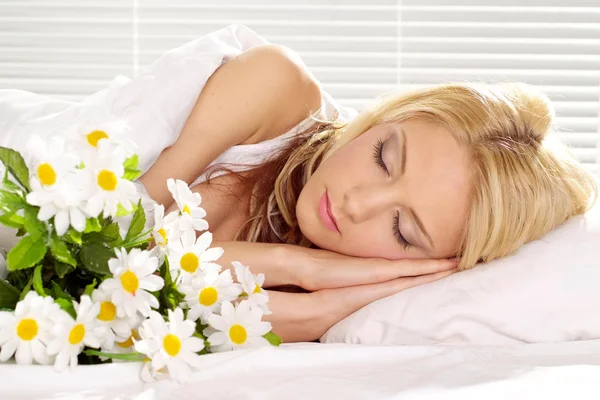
(524, 183)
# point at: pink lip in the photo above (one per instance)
(326, 214)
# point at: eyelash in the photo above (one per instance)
(378, 155)
(396, 229)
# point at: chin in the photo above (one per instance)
(309, 227)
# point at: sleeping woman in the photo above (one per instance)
(419, 185)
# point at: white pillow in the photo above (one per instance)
(549, 291)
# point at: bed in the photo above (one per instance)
(568, 370)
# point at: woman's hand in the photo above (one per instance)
(322, 269)
(340, 286)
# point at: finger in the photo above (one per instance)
(362, 271)
(417, 267)
(342, 302)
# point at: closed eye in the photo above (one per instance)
(378, 155)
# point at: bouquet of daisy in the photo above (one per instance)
(91, 281)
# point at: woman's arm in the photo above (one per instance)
(257, 95)
(339, 285)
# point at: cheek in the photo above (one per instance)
(372, 242)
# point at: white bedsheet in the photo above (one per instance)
(569, 370)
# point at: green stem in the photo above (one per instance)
(133, 244)
(148, 232)
(117, 356)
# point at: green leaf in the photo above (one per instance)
(137, 223)
(109, 235)
(32, 224)
(38, 283)
(131, 174)
(26, 289)
(10, 185)
(131, 168)
(60, 251)
(11, 202)
(95, 258)
(273, 339)
(132, 162)
(9, 295)
(26, 253)
(92, 225)
(67, 305)
(12, 220)
(64, 300)
(16, 165)
(90, 288)
(74, 236)
(61, 269)
(122, 211)
(58, 293)
(111, 231)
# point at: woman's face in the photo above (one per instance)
(399, 190)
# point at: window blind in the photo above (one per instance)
(68, 49)
(72, 48)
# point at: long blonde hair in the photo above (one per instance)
(524, 183)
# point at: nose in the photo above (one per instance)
(367, 201)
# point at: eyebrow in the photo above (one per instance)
(402, 171)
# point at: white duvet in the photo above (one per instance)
(569, 370)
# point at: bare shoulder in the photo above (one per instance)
(255, 96)
(296, 93)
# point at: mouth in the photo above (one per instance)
(326, 215)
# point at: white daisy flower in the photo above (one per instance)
(189, 204)
(205, 293)
(88, 134)
(133, 277)
(26, 331)
(107, 187)
(190, 255)
(165, 227)
(69, 336)
(49, 161)
(56, 184)
(122, 345)
(149, 374)
(170, 344)
(252, 286)
(238, 328)
(120, 328)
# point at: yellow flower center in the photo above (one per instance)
(163, 234)
(107, 311)
(128, 342)
(130, 282)
(256, 289)
(77, 334)
(172, 345)
(94, 137)
(238, 334)
(27, 329)
(186, 209)
(189, 262)
(46, 174)
(107, 180)
(208, 296)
